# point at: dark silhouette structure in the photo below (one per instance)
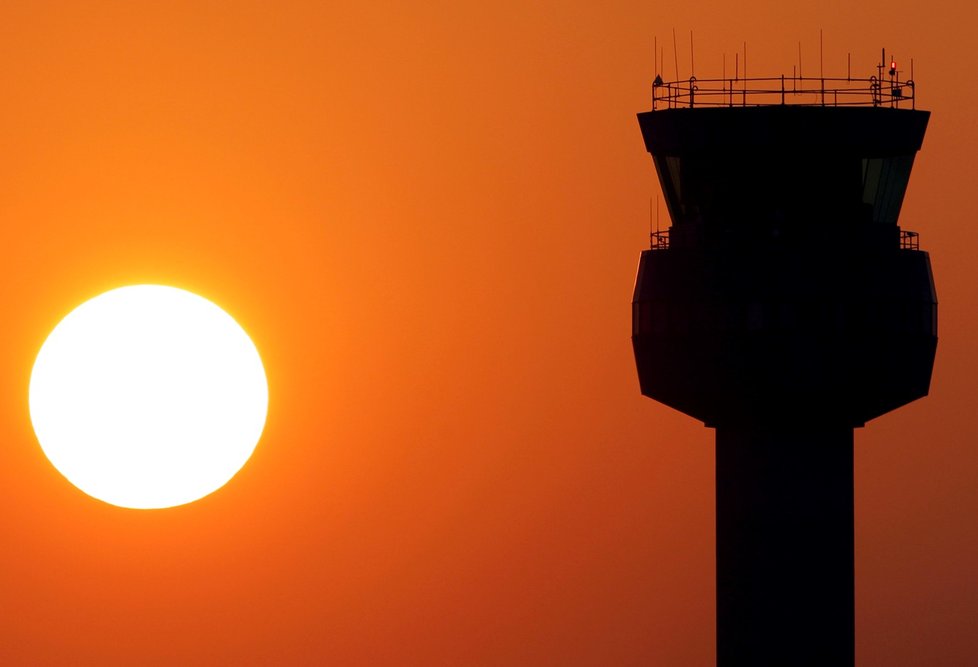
(784, 307)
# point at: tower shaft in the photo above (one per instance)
(784, 559)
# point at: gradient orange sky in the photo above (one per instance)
(428, 218)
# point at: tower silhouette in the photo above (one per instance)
(784, 307)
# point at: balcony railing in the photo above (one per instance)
(659, 240)
(836, 92)
(909, 240)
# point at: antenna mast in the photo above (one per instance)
(675, 53)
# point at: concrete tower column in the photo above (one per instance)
(784, 522)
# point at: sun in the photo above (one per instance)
(148, 396)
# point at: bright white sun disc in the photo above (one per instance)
(148, 396)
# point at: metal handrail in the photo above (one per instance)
(659, 240)
(773, 91)
(908, 240)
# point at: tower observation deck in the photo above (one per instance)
(784, 307)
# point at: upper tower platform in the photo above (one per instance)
(761, 153)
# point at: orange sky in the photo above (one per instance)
(429, 221)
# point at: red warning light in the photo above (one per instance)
(892, 64)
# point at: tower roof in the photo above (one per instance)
(785, 129)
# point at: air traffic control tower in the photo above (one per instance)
(784, 307)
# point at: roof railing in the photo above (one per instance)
(773, 91)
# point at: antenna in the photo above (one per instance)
(652, 228)
(675, 53)
(692, 69)
(821, 65)
(654, 234)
